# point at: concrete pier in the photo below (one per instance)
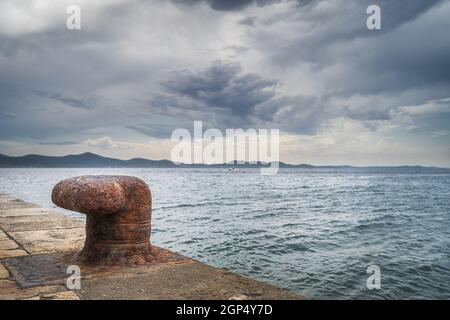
(37, 246)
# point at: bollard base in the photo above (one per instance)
(107, 256)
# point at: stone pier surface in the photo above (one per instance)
(37, 246)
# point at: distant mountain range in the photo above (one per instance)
(91, 160)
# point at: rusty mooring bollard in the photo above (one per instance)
(118, 222)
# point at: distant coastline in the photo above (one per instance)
(91, 160)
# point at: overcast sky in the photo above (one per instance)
(137, 70)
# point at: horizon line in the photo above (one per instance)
(228, 163)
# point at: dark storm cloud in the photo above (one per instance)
(412, 58)
(227, 5)
(235, 5)
(224, 96)
(316, 30)
(398, 12)
(223, 85)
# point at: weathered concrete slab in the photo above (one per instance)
(8, 245)
(12, 253)
(16, 205)
(37, 270)
(3, 272)
(63, 295)
(192, 280)
(10, 291)
(48, 221)
(6, 197)
(24, 212)
(3, 236)
(50, 240)
(7, 201)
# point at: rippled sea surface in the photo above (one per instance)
(314, 232)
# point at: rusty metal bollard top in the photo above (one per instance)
(118, 217)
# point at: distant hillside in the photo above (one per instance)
(85, 160)
(91, 160)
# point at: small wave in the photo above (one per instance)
(190, 205)
(384, 218)
(382, 210)
(252, 231)
(373, 225)
(298, 247)
(290, 224)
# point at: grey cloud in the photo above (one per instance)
(248, 21)
(58, 143)
(298, 114)
(7, 115)
(70, 101)
(370, 112)
(154, 130)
